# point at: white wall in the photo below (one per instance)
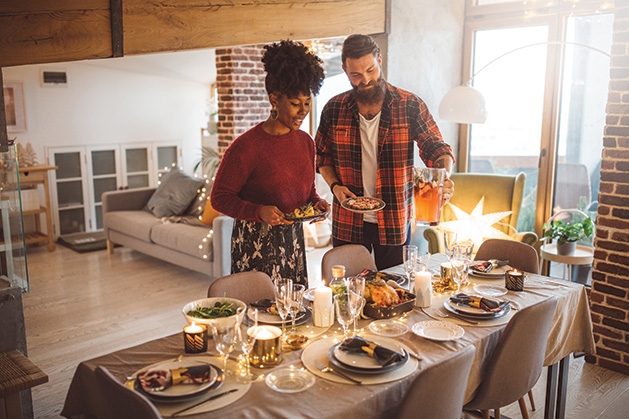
(425, 52)
(113, 101)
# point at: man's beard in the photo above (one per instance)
(372, 95)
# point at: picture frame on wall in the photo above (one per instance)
(14, 106)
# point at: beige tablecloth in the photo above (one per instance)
(571, 332)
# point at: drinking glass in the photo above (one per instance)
(460, 260)
(296, 304)
(409, 255)
(449, 241)
(344, 313)
(283, 288)
(356, 290)
(427, 193)
(247, 338)
(224, 335)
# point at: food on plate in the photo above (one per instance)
(305, 211)
(362, 203)
(378, 292)
(153, 380)
(220, 309)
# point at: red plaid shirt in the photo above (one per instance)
(405, 119)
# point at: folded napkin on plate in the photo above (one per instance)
(482, 266)
(484, 303)
(160, 379)
(384, 356)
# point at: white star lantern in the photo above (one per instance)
(475, 225)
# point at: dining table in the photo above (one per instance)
(332, 396)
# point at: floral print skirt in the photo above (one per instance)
(279, 251)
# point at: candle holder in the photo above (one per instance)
(195, 338)
(514, 280)
(267, 350)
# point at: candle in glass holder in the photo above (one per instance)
(323, 307)
(423, 288)
(514, 280)
(267, 349)
(195, 338)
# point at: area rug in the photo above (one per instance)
(84, 242)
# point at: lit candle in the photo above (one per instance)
(323, 308)
(423, 288)
(195, 338)
(514, 280)
(267, 349)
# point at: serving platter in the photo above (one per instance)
(305, 219)
(352, 204)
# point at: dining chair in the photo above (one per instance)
(438, 391)
(121, 402)
(520, 255)
(500, 193)
(517, 360)
(355, 258)
(247, 286)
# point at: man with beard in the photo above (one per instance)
(365, 144)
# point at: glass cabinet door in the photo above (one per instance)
(136, 172)
(70, 192)
(103, 165)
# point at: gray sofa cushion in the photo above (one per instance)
(191, 240)
(174, 193)
(137, 224)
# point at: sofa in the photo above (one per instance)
(177, 240)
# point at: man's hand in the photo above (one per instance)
(447, 192)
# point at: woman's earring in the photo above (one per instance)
(274, 113)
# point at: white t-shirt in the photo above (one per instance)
(369, 145)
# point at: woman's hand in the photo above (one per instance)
(448, 191)
(272, 215)
(324, 207)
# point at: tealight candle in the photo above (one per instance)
(423, 288)
(514, 280)
(267, 349)
(323, 307)
(195, 338)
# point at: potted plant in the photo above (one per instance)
(568, 234)
(209, 161)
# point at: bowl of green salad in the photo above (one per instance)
(217, 311)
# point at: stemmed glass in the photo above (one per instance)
(296, 304)
(449, 241)
(460, 260)
(344, 313)
(356, 290)
(283, 288)
(410, 260)
(225, 335)
(247, 339)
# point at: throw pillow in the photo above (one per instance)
(209, 214)
(197, 205)
(174, 193)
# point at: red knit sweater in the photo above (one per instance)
(261, 169)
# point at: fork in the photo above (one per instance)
(323, 368)
(446, 315)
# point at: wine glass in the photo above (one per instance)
(283, 288)
(410, 259)
(344, 313)
(449, 241)
(246, 339)
(224, 335)
(356, 289)
(296, 304)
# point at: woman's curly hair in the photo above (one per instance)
(292, 69)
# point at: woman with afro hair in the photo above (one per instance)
(269, 170)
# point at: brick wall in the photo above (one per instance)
(242, 98)
(610, 276)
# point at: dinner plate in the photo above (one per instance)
(364, 364)
(181, 392)
(489, 290)
(308, 218)
(268, 318)
(477, 313)
(290, 379)
(347, 204)
(496, 273)
(388, 327)
(438, 330)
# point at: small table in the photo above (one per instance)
(583, 255)
(17, 373)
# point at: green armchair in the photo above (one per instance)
(501, 192)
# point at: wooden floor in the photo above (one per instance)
(84, 305)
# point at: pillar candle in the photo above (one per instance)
(423, 288)
(267, 349)
(323, 308)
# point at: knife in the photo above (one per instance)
(214, 397)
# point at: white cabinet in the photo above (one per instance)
(85, 172)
